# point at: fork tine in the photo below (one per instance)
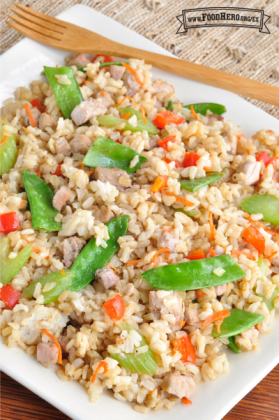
(24, 30)
(37, 28)
(41, 15)
(34, 19)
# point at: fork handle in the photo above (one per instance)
(203, 74)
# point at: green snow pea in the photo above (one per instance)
(67, 96)
(59, 282)
(270, 302)
(111, 121)
(170, 106)
(267, 205)
(232, 345)
(109, 154)
(193, 185)
(9, 268)
(194, 275)
(40, 197)
(142, 363)
(236, 323)
(190, 213)
(8, 149)
(202, 107)
(115, 63)
(93, 257)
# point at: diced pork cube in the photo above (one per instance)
(116, 72)
(181, 385)
(78, 60)
(162, 87)
(71, 248)
(80, 144)
(192, 316)
(214, 117)
(47, 354)
(117, 177)
(106, 277)
(35, 114)
(220, 290)
(171, 304)
(62, 146)
(104, 214)
(86, 110)
(61, 196)
(106, 98)
(132, 85)
(251, 170)
(168, 241)
(47, 120)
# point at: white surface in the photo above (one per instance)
(212, 400)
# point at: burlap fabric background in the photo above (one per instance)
(236, 50)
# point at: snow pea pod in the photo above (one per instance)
(236, 323)
(233, 346)
(9, 268)
(40, 197)
(170, 106)
(270, 302)
(8, 149)
(58, 281)
(267, 205)
(194, 275)
(93, 257)
(109, 154)
(193, 185)
(67, 96)
(202, 107)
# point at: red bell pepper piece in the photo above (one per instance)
(263, 156)
(190, 159)
(115, 307)
(58, 170)
(167, 118)
(185, 348)
(107, 58)
(164, 142)
(9, 296)
(8, 222)
(196, 254)
(255, 238)
(36, 102)
(177, 164)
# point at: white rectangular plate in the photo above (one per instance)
(19, 66)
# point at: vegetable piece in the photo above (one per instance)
(237, 322)
(93, 257)
(8, 149)
(29, 113)
(103, 365)
(185, 348)
(40, 197)
(239, 253)
(134, 73)
(142, 363)
(109, 154)
(170, 106)
(196, 254)
(160, 183)
(112, 63)
(58, 280)
(56, 343)
(267, 205)
(36, 103)
(107, 58)
(164, 142)
(177, 163)
(216, 317)
(232, 345)
(193, 112)
(190, 213)
(263, 156)
(194, 274)
(190, 159)
(212, 227)
(9, 296)
(186, 401)
(202, 107)
(167, 118)
(9, 268)
(262, 264)
(193, 185)
(115, 307)
(67, 96)
(8, 222)
(160, 251)
(255, 238)
(270, 302)
(180, 199)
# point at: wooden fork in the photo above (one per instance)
(68, 37)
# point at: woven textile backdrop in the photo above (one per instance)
(241, 51)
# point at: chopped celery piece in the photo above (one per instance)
(142, 363)
(262, 264)
(270, 302)
(9, 268)
(8, 149)
(236, 323)
(59, 282)
(267, 205)
(232, 345)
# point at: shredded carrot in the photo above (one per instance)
(260, 225)
(160, 183)
(207, 168)
(36, 250)
(212, 227)
(160, 251)
(168, 256)
(217, 316)
(90, 172)
(271, 256)
(238, 136)
(270, 131)
(111, 266)
(134, 262)
(150, 392)
(103, 94)
(4, 139)
(200, 294)
(194, 112)
(140, 107)
(169, 229)
(29, 113)
(81, 166)
(134, 73)
(26, 130)
(88, 80)
(182, 323)
(245, 286)
(180, 199)
(38, 173)
(47, 257)
(211, 252)
(63, 273)
(57, 345)
(126, 115)
(186, 401)
(103, 365)
(218, 325)
(238, 253)
(21, 203)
